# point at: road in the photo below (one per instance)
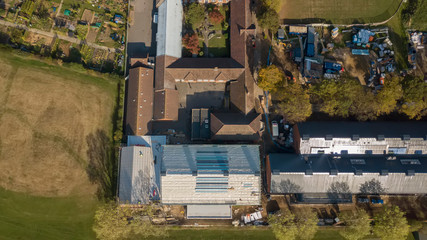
(53, 35)
(141, 29)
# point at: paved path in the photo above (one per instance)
(141, 30)
(54, 35)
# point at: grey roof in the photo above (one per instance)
(169, 29)
(323, 163)
(215, 159)
(368, 174)
(364, 129)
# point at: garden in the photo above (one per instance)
(206, 30)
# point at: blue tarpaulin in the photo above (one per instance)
(364, 52)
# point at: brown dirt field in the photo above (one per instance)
(34, 38)
(65, 47)
(91, 35)
(356, 66)
(44, 121)
(87, 16)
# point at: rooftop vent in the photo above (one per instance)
(344, 151)
(358, 161)
(355, 137)
(308, 172)
(163, 173)
(384, 172)
(368, 152)
(226, 173)
(257, 173)
(380, 137)
(390, 158)
(194, 173)
(358, 172)
(305, 137)
(406, 137)
(418, 152)
(333, 172)
(410, 162)
(329, 137)
(410, 173)
(276, 172)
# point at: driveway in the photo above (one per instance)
(141, 29)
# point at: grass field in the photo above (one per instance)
(419, 19)
(47, 112)
(337, 11)
(28, 217)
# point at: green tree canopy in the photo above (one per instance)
(270, 78)
(414, 102)
(294, 103)
(391, 224)
(307, 224)
(287, 226)
(357, 224)
(283, 225)
(268, 19)
(195, 14)
(114, 222)
(388, 96)
(273, 4)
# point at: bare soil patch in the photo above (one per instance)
(44, 122)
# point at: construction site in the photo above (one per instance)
(320, 52)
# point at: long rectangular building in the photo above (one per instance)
(346, 174)
(361, 137)
(211, 174)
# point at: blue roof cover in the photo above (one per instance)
(211, 159)
(310, 50)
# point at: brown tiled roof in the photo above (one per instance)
(163, 78)
(239, 20)
(166, 104)
(235, 126)
(139, 107)
(193, 69)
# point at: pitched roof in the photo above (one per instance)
(239, 20)
(166, 104)
(169, 27)
(235, 126)
(203, 69)
(139, 108)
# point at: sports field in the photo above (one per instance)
(46, 113)
(337, 11)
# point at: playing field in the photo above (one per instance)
(46, 113)
(337, 11)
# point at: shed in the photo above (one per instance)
(67, 12)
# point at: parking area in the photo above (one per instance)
(141, 29)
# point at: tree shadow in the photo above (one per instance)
(372, 187)
(339, 191)
(287, 186)
(100, 168)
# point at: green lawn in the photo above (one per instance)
(337, 11)
(218, 47)
(28, 217)
(419, 19)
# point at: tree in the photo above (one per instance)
(287, 226)
(114, 222)
(391, 224)
(294, 103)
(273, 4)
(307, 224)
(269, 19)
(388, 96)
(365, 106)
(270, 78)
(195, 14)
(215, 16)
(414, 102)
(283, 225)
(358, 224)
(191, 42)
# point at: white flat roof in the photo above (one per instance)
(209, 212)
(169, 29)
